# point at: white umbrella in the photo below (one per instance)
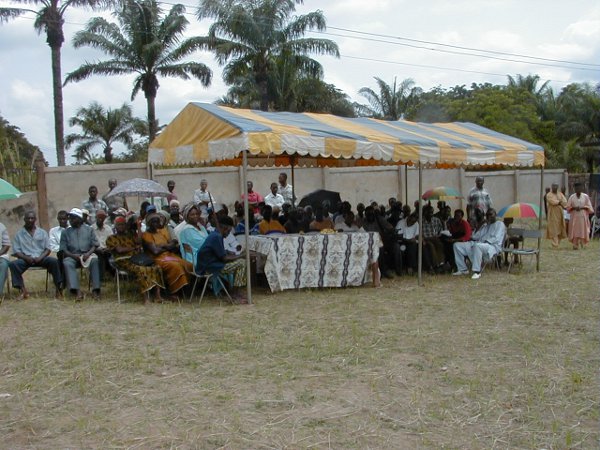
(140, 187)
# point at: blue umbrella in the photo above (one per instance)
(8, 191)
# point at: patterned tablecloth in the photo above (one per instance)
(297, 261)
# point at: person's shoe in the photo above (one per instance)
(460, 272)
(24, 295)
(96, 294)
(58, 295)
(80, 296)
(476, 276)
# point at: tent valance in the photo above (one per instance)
(216, 135)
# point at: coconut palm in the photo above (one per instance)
(250, 37)
(50, 19)
(392, 102)
(143, 42)
(101, 127)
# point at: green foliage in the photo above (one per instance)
(101, 127)
(17, 156)
(261, 42)
(391, 102)
(143, 42)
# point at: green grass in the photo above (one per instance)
(508, 361)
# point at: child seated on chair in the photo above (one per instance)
(514, 241)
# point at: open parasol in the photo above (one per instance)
(441, 193)
(520, 211)
(140, 187)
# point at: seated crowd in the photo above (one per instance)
(162, 247)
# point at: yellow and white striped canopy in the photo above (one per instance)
(216, 135)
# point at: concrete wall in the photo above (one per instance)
(67, 186)
(13, 211)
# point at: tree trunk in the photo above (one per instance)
(58, 105)
(264, 96)
(151, 117)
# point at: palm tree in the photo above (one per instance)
(392, 102)
(50, 19)
(249, 37)
(101, 127)
(145, 43)
(529, 83)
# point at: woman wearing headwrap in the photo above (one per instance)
(195, 234)
(161, 248)
(124, 244)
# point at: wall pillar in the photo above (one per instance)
(42, 193)
(516, 195)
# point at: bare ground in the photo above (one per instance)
(508, 361)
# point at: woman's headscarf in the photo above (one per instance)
(151, 216)
(186, 211)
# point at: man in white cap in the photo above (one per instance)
(78, 244)
(31, 247)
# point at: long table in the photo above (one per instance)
(295, 261)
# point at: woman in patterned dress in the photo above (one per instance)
(160, 247)
(123, 245)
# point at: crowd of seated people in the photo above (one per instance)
(161, 248)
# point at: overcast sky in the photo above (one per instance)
(549, 29)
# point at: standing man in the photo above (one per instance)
(93, 204)
(274, 199)
(580, 207)
(78, 243)
(285, 190)
(254, 198)
(4, 262)
(478, 198)
(556, 202)
(31, 247)
(203, 198)
(172, 195)
(486, 243)
(115, 202)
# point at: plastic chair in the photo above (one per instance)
(118, 274)
(187, 251)
(524, 233)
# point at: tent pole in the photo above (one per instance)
(539, 243)
(247, 227)
(420, 260)
(292, 162)
(406, 184)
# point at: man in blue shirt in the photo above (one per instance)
(31, 247)
(78, 243)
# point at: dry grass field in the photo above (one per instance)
(506, 362)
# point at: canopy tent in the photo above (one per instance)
(221, 136)
(217, 135)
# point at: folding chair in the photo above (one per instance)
(525, 234)
(187, 251)
(594, 226)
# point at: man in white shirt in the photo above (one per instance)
(485, 243)
(274, 200)
(285, 189)
(348, 225)
(63, 222)
(203, 198)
